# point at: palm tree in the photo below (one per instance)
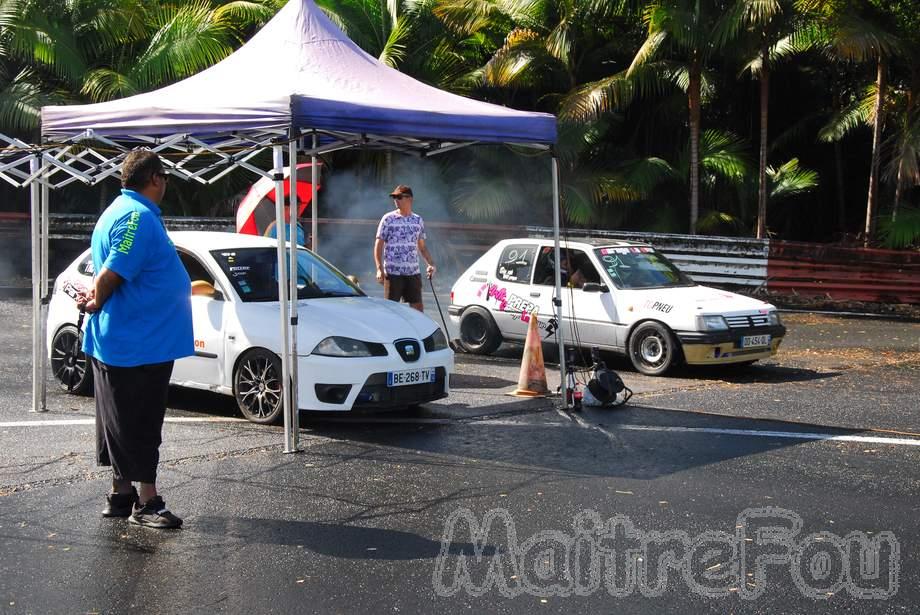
(95, 50)
(772, 28)
(856, 32)
(689, 28)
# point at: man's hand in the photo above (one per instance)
(379, 276)
(87, 301)
(431, 269)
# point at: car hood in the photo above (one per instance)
(364, 318)
(701, 299)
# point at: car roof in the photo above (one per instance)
(219, 240)
(586, 243)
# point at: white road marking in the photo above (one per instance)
(169, 419)
(795, 435)
(608, 431)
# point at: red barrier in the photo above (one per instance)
(857, 274)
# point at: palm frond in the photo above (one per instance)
(591, 100)
(394, 50)
(714, 221)
(903, 232)
(789, 179)
(857, 113)
(107, 84)
(723, 154)
(647, 51)
(20, 103)
(509, 65)
(188, 40)
(905, 148)
(246, 12)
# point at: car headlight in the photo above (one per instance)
(436, 341)
(711, 323)
(336, 346)
(773, 318)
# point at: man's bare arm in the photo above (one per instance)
(427, 256)
(378, 258)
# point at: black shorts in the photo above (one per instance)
(130, 407)
(407, 287)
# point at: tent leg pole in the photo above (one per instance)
(557, 301)
(37, 350)
(44, 216)
(292, 233)
(314, 199)
(278, 176)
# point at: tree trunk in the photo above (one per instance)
(762, 171)
(872, 201)
(693, 96)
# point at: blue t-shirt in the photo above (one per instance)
(148, 318)
(272, 231)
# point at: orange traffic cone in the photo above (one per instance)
(532, 381)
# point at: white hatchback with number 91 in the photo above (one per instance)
(620, 296)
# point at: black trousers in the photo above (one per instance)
(130, 407)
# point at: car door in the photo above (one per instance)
(205, 367)
(511, 293)
(589, 316)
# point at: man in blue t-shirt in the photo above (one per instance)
(272, 229)
(140, 323)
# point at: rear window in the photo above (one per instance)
(516, 263)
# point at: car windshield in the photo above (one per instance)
(254, 274)
(640, 267)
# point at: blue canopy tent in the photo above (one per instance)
(298, 86)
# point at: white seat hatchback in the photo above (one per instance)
(353, 351)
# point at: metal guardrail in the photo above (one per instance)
(723, 261)
(783, 267)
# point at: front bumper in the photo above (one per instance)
(340, 384)
(723, 347)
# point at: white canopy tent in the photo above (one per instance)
(299, 86)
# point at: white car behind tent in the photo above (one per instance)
(354, 351)
(620, 296)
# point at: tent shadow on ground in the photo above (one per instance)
(333, 539)
(566, 449)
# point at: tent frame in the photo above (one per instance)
(90, 158)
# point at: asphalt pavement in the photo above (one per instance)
(790, 486)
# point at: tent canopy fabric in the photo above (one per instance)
(300, 71)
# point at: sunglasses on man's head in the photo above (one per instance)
(399, 197)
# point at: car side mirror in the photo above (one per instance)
(594, 287)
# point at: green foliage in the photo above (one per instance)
(904, 232)
(620, 76)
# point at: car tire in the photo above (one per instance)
(478, 332)
(61, 367)
(257, 386)
(653, 349)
